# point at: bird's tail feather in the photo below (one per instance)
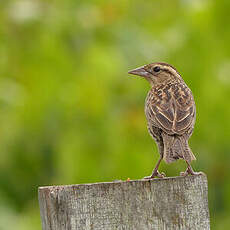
(176, 147)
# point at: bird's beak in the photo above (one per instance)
(140, 71)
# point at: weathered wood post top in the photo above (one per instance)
(169, 203)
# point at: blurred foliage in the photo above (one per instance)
(69, 112)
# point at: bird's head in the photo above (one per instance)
(157, 73)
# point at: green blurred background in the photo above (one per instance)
(69, 112)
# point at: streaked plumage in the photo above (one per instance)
(170, 112)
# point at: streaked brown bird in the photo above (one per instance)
(170, 111)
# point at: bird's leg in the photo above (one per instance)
(189, 170)
(155, 172)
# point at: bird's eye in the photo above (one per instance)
(156, 69)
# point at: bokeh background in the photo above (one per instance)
(69, 112)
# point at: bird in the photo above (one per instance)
(170, 112)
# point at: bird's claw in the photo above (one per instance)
(190, 172)
(156, 174)
(161, 175)
(184, 173)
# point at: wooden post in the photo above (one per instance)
(170, 203)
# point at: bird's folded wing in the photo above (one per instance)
(174, 116)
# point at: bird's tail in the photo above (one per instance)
(176, 147)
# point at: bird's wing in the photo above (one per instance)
(172, 109)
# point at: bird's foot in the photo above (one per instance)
(156, 174)
(189, 171)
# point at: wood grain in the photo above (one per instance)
(170, 203)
